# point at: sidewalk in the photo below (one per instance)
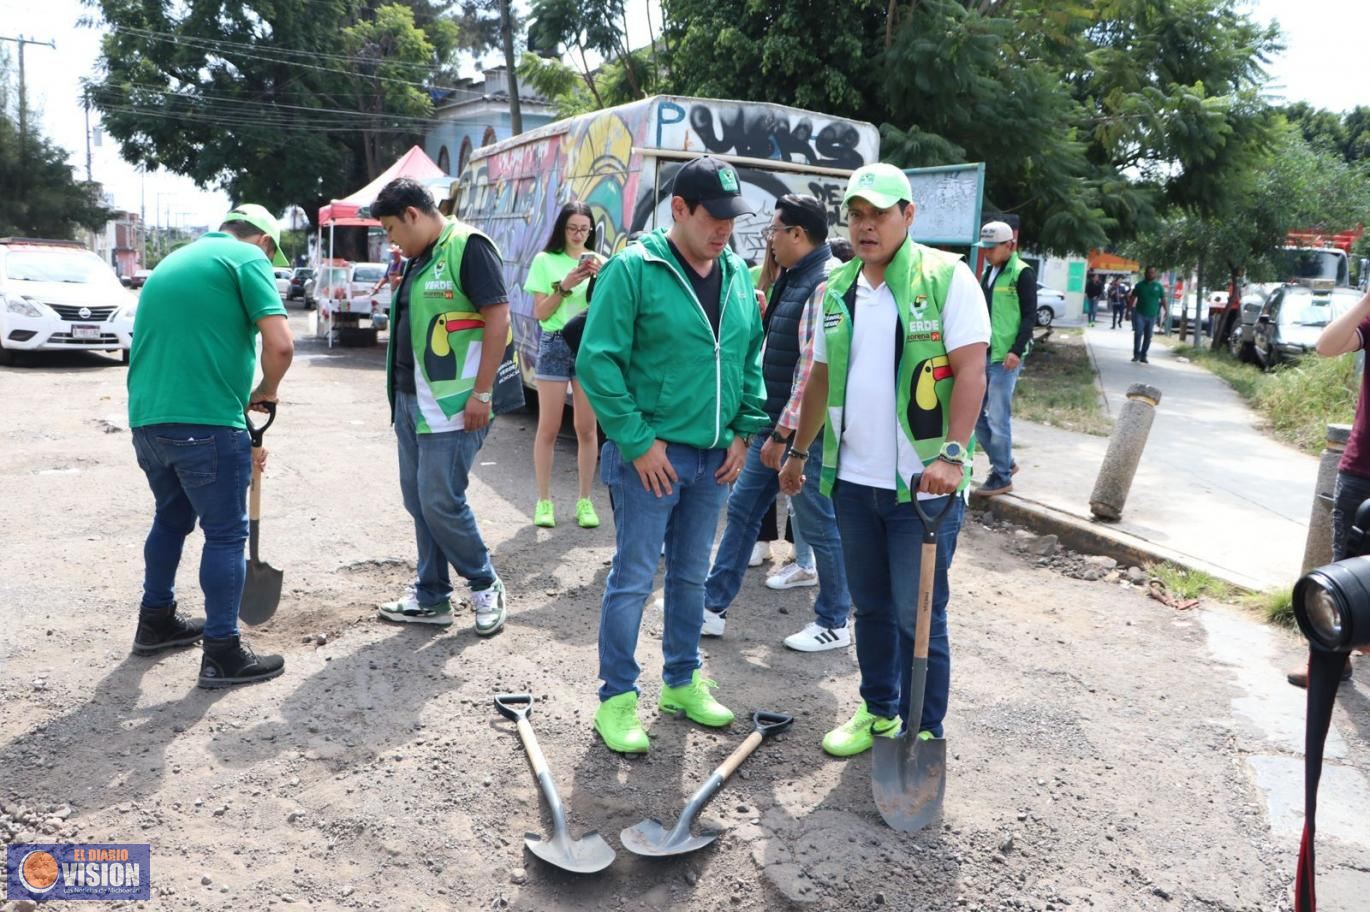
(1212, 492)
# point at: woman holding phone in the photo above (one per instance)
(557, 281)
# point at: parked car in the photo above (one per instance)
(1213, 297)
(282, 281)
(139, 278)
(343, 291)
(1241, 342)
(1050, 302)
(59, 296)
(1292, 319)
(297, 279)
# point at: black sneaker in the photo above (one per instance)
(165, 628)
(230, 661)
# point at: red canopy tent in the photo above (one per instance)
(344, 212)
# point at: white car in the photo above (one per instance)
(1050, 302)
(283, 281)
(59, 296)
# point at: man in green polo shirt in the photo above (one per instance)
(1146, 301)
(189, 382)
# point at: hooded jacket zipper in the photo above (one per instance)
(717, 336)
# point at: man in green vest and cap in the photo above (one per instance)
(899, 379)
(1010, 289)
(447, 342)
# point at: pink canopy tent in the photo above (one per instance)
(344, 212)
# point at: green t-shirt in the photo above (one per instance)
(194, 336)
(1149, 297)
(546, 271)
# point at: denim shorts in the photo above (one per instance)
(555, 361)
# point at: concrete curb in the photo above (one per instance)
(1091, 537)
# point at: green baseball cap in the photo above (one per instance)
(258, 217)
(882, 185)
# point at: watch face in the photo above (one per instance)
(953, 450)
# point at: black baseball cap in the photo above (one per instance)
(713, 183)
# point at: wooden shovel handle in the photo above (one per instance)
(927, 577)
(254, 505)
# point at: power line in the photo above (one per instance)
(257, 107)
(207, 118)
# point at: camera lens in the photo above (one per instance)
(1324, 614)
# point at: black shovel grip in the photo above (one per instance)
(932, 523)
(770, 723)
(255, 431)
(509, 706)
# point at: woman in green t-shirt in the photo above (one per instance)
(557, 281)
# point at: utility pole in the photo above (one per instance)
(90, 173)
(23, 95)
(506, 29)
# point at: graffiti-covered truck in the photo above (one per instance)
(622, 161)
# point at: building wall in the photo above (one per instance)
(478, 128)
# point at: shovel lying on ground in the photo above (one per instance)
(909, 773)
(262, 588)
(585, 855)
(651, 838)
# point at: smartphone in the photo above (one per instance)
(586, 258)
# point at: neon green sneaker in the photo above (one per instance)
(544, 514)
(586, 516)
(617, 723)
(695, 702)
(857, 734)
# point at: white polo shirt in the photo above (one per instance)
(868, 455)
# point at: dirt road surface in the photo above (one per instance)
(1106, 751)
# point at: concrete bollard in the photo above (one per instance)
(1124, 452)
(1318, 549)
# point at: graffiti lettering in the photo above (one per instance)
(760, 133)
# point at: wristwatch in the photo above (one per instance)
(952, 452)
(483, 397)
(778, 437)
(562, 290)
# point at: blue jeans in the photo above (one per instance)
(434, 472)
(199, 472)
(803, 553)
(882, 540)
(685, 520)
(1348, 494)
(1141, 334)
(753, 493)
(994, 429)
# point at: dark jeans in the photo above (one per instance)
(1141, 334)
(882, 540)
(1349, 493)
(195, 472)
(1116, 309)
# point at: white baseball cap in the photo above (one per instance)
(994, 234)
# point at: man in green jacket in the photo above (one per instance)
(898, 379)
(670, 361)
(447, 342)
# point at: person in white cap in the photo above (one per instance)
(898, 378)
(1010, 289)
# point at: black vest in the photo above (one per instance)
(783, 315)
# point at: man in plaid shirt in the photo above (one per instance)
(798, 236)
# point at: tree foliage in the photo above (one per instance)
(42, 197)
(276, 101)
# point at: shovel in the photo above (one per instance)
(909, 773)
(262, 588)
(585, 855)
(651, 838)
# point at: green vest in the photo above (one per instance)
(446, 332)
(1005, 315)
(919, 277)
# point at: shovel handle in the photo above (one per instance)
(766, 724)
(927, 577)
(256, 431)
(932, 523)
(514, 706)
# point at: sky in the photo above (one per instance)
(1324, 63)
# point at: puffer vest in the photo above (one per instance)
(784, 313)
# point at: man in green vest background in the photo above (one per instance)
(1010, 289)
(447, 341)
(1146, 299)
(899, 379)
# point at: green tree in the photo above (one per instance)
(42, 196)
(278, 101)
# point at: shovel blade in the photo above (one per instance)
(652, 839)
(261, 593)
(909, 780)
(586, 855)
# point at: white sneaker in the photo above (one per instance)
(817, 638)
(792, 576)
(760, 551)
(713, 624)
(489, 605)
